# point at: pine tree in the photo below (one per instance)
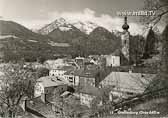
(161, 80)
(150, 44)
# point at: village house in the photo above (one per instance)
(72, 62)
(80, 61)
(88, 76)
(47, 90)
(113, 60)
(71, 79)
(61, 70)
(125, 84)
(57, 72)
(99, 60)
(66, 74)
(49, 83)
(87, 94)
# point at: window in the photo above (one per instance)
(58, 78)
(130, 93)
(71, 78)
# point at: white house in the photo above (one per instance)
(61, 70)
(112, 60)
(56, 72)
(66, 73)
(46, 82)
(71, 79)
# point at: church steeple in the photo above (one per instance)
(125, 42)
(125, 26)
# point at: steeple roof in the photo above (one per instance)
(125, 26)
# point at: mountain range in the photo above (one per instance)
(57, 38)
(65, 25)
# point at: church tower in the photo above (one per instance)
(125, 40)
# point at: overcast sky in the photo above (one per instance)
(36, 13)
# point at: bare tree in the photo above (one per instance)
(161, 10)
(16, 83)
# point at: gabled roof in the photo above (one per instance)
(129, 82)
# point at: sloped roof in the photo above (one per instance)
(129, 82)
(117, 52)
(90, 90)
(86, 73)
(38, 105)
(89, 70)
(50, 81)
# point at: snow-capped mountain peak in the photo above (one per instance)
(86, 26)
(65, 25)
(60, 24)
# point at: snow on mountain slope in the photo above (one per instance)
(85, 27)
(60, 23)
(66, 25)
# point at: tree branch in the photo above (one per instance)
(158, 18)
(19, 99)
(4, 100)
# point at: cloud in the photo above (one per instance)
(104, 20)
